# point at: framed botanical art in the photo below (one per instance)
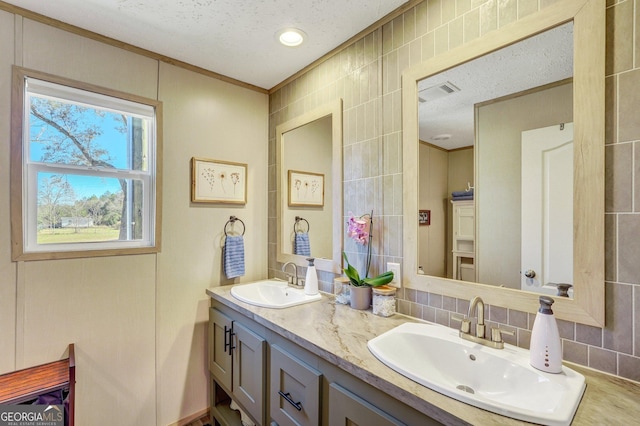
(214, 181)
(306, 189)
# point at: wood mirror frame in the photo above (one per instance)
(587, 306)
(334, 109)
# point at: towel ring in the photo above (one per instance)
(232, 220)
(295, 225)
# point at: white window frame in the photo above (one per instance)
(24, 172)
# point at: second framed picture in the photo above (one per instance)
(306, 188)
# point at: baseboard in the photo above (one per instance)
(195, 416)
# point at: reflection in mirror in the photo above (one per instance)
(309, 188)
(496, 209)
(488, 231)
(307, 149)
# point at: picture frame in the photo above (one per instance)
(216, 181)
(424, 217)
(306, 189)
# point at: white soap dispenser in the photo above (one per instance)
(311, 280)
(545, 349)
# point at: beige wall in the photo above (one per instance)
(433, 195)
(367, 75)
(138, 322)
(499, 129)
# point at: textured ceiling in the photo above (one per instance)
(234, 38)
(533, 62)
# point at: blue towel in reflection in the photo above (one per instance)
(233, 256)
(463, 197)
(457, 194)
(301, 244)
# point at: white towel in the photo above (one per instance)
(301, 244)
(233, 256)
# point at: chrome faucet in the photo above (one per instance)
(292, 279)
(494, 341)
(477, 304)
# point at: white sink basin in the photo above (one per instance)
(272, 294)
(497, 380)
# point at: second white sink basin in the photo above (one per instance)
(272, 294)
(497, 380)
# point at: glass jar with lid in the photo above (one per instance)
(384, 300)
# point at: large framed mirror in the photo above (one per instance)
(466, 249)
(309, 188)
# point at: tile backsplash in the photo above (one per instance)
(367, 76)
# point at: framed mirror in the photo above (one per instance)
(309, 188)
(584, 19)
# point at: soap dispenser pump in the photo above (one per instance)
(545, 349)
(311, 279)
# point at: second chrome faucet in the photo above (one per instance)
(476, 307)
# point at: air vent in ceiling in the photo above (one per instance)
(437, 91)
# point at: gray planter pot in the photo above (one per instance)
(360, 297)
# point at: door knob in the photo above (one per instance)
(530, 273)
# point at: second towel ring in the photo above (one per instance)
(232, 220)
(296, 225)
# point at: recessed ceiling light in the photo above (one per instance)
(291, 37)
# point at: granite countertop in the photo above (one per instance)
(340, 334)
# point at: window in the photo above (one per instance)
(85, 173)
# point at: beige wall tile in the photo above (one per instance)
(462, 7)
(575, 352)
(619, 37)
(507, 12)
(590, 335)
(398, 31)
(611, 109)
(441, 35)
(618, 177)
(629, 367)
(456, 32)
(629, 105)
(603, 360)
(421, 19)
(428, 46)
(471, 25)
(434, 14)
(448, 11)
(619, 318)
(488, 16)
(409, 22)
(610, 247)
(636, 320)
(636, 176)
(526, 7)
(628, 248)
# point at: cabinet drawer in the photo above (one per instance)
(346, 408)
(294, 391)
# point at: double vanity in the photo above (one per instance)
(323, 363)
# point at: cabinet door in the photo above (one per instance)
(249, 371)
(346, 408)
(219, 340)
(294, 390)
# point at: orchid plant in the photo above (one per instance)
(359, 230)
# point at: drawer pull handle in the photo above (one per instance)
(228, 344)
(287, 396)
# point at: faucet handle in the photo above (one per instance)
(496, 334)
(465, 323)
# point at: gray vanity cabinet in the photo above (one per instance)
(237, 364)
(346, 408)
(294, 392)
